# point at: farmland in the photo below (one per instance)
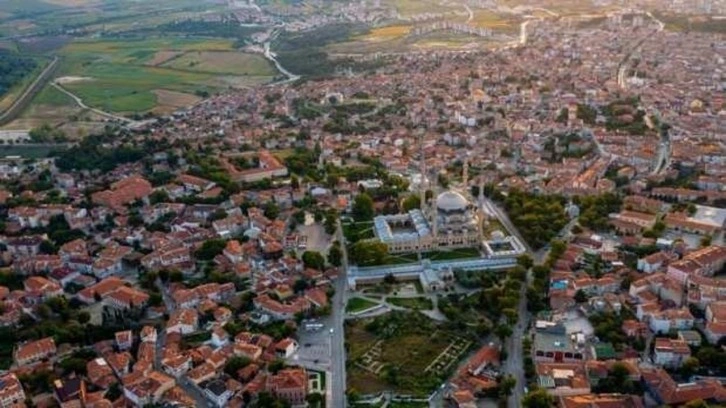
(137, 76)
(222, 62)
(47, 16)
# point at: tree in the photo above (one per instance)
(276, 366)
(47, 248)
(84, 317)
(363, 207)
(506, 385)
(580, 296)
(368, 253)
(155, 299)
(300, 285)
(706, 240)
(698, 403)
(159, 196)
(335, 254)
(114, 392)
(390, 279)
(313, 259)
(411, 203)
(314, 399)
(503, 331)
(525, 261)
(210, 249)
(272, 210)
(331, 222)
(690, 366)
(235, 364)
(538, 398)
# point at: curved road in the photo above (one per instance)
(80, 103)
(271, 56)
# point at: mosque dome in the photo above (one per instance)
(451, 201)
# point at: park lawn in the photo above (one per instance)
(357, 304)
(400, 259)
(220, 62)
(415, 303)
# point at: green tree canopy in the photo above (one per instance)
(313, 259)
(363, 207)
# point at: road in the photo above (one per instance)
(470, 12)
(622, 68)
(506, 222)
(35, 86)
(337, 384)
(271, 56)
(514, 365)
(182, 381)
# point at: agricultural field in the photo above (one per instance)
(156, 74)
(400, 351)
(36, 16)
(506, 23)
(408, 8)
(222, 62)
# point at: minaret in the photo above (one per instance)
(465, 174)
(422, 184)
(481, 189)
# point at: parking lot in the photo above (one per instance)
(314, 345)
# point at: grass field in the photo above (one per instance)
(387, 33)
(494, 21)
(52, 97)
(407, 8)
(357, 304)
(219, 62)
(120, 77)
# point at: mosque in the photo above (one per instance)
(450, 221)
